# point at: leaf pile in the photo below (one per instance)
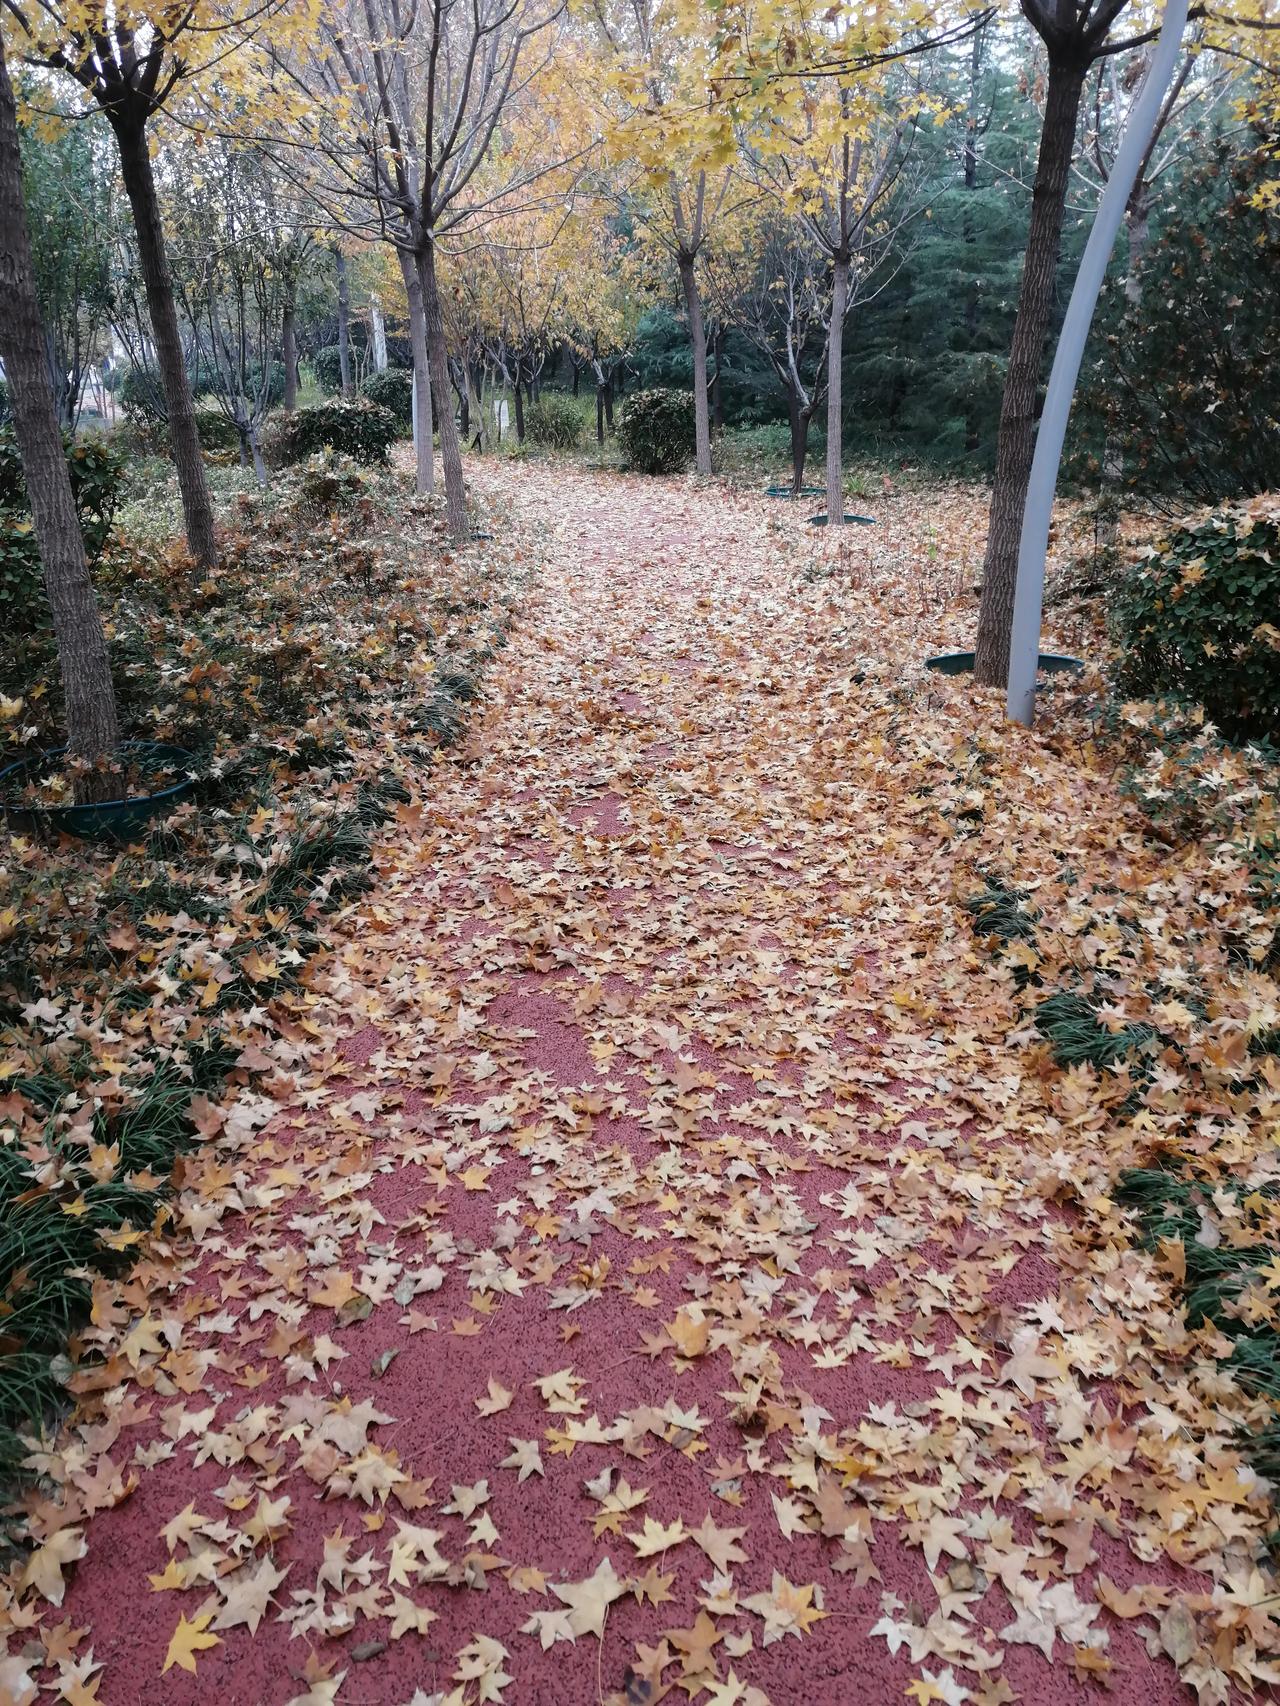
(144, 990)
(680, 1263)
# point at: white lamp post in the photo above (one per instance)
(1024, 643)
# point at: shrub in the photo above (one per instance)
(141, 395)
(554, 421)
(326, 364)
(216, 431)
(657, 431)
(362, 430)
(97, 474)
(1200, 618)
(393, 390)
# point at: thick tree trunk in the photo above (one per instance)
(289, 350)
(423, 426)
(519, 395)
(600, 389)
(698, 347)
(184, 440)
(92, 731)
(455, 492)
(608, 404)
(1015, 445)
(344, 321)
(835, 396)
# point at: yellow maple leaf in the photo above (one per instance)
(187, 1640)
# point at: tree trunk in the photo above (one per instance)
(608, 404)
(835, 359)
(972, 423)
(1137, 224)
(344, 321)
(455, 492)
(717, 385)
(423, 426)
(92, 730)
(475, 405)
(184, 440)
(289, 347)
(1015, 445)
(519, 395)
(377, 333)
(698, 347)
(600, 388)
(64, 399)
(255, 450)
(798, 420)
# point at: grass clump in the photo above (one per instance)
(1078, 1037)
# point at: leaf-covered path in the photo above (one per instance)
(652, 1277)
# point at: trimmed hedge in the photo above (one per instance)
(326, 364)
(357, 428)
(657, 434)
(393, 390)
(1199, 620)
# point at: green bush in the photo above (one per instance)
(656, 433)
(555, 421)
(1199, 620)
(141, 395)
(393, 390)
(326, 364)
(97, 474)
(216, 431)
(362, 430)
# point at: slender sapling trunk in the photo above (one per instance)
(423, 426)
(698, 347)
(184, 439)
(344, 321)
(289, 350)
(455, 492)
(835, 359)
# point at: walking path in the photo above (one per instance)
(657, 1280)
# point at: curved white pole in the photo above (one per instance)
(1024, 644)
